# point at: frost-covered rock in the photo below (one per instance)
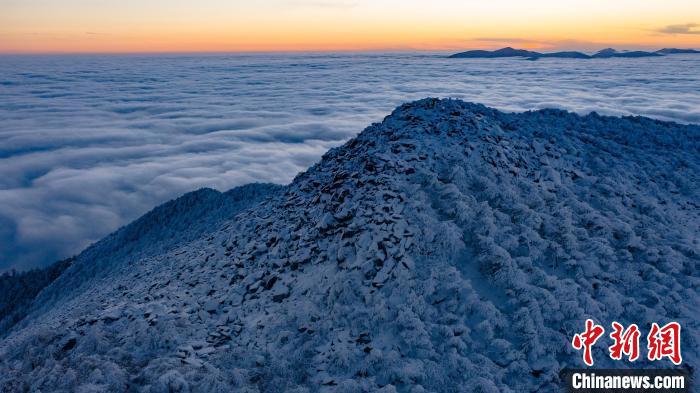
(450, 248)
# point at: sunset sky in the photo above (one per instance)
(37, 26)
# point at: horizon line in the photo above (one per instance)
(287, 51)
(269, 51)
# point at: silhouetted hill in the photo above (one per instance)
(602, 54)
(674, 51)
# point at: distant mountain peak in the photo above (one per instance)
(673, 51)
(607, 52)
(602, 54)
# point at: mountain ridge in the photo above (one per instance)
(166, 221)
(450, 246)
(602, 54)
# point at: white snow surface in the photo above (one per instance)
(451, 247)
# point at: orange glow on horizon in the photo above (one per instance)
(83, 26)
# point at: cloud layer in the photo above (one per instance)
(88, 143)
(688, 28)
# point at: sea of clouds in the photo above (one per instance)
(89, 143)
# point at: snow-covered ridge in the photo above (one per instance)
(170, 224)
(450, 247)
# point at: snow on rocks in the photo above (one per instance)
(450, 247)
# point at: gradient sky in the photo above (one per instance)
(269, 25)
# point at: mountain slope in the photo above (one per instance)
(18, 290)
(451, 247)
(172, 223)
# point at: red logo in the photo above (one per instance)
(665, 342)
(626, 342)
(587, 339)
(662, 342)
